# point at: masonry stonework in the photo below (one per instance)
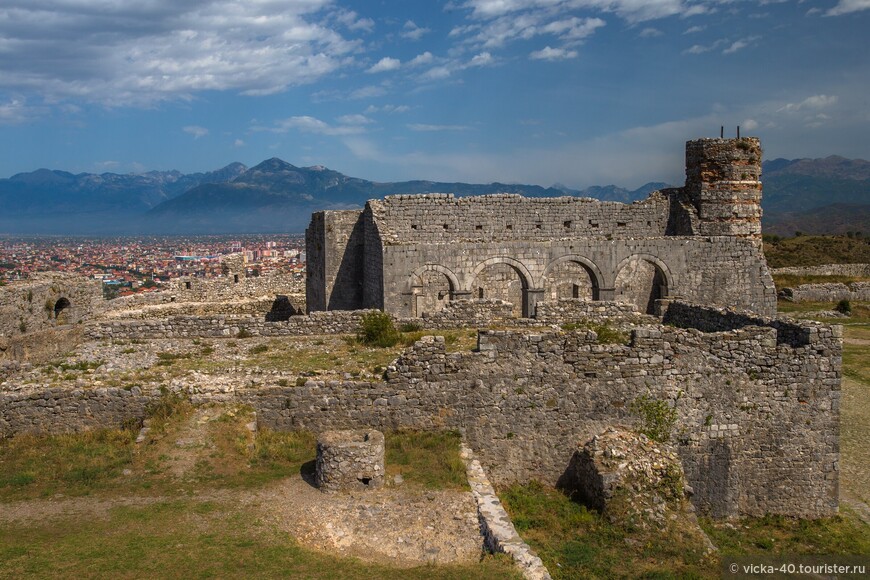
(412, 254)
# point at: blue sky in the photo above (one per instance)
(578, 92)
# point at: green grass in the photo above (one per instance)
(792, 280)
(816, 250)
(775, 535)
(75, 464)
(190, 539)
(428, 459)
(606, 334)
(575, 542)
(860, 311)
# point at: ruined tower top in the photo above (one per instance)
(723, 182)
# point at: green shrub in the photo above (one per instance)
(843, 307)
(377, 329)
(259, 349)
(657, 418)
(411, 327)
(244, 333)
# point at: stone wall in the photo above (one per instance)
(48, 300)
(575, 310)
(212, 295)
(826, 270)
(830, 292)
(757, 403)
(414, 253)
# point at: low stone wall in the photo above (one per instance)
(575, 309)
(470, 313)
(757, 402)
(330, 322)
(830, 292)
(246, 307)
(825, 270)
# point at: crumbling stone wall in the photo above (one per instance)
(48, 300)
(350, 459)
(828, 292)
(757, 401)
(826, 270)
(414, 253)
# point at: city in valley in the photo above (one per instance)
(132, 265)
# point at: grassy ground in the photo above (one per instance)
(575, 542)
(792, 280)
(108, 463)
(189, 539)
(815, 251)
(192, 525)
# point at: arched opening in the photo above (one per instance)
(570, 279)
(502, 281)
(641, 282)
(61, 305)
(432, 290)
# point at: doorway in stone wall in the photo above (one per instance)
(501, 281)
(641, 281)
(570, 279)
(60, 306)
(432, 291)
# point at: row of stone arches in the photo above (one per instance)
(640, 279)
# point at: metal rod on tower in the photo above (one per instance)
(738, 131)
(722, 131)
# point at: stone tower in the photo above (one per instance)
(723, 183)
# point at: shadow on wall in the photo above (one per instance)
(282, 309)
(347, 291)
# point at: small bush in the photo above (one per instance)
(377, 329)
(259, 349)
(657, 419)
(843, 307)
(244, 333)
(411, 327)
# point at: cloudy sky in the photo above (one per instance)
(578, 92)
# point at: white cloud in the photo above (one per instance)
(695, 29)
(421, 59)
(650, 33)
(482, 59)
(388, 109)
(632, 11)
(238, 143)
(740, 44)
(548, 53)
(16, 111)
(848, 6)
(107, 165)
(425, 127)
(307, 124)
(750, 124)
(352, 21)
(413, 32)
(385, 64)
(195, 130)
(813, 102)
(368, 92)
(436, 73)
(354, 120)
(138, 53)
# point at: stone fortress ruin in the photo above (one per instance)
(412, 254)
(682, 273)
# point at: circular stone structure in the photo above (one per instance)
(350, 460)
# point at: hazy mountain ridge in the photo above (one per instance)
(276, 196)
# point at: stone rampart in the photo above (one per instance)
(757, 402)
(828, 292)
(214, 294)
(48, 300)
(825, 270)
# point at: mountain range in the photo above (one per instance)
(276, 196)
